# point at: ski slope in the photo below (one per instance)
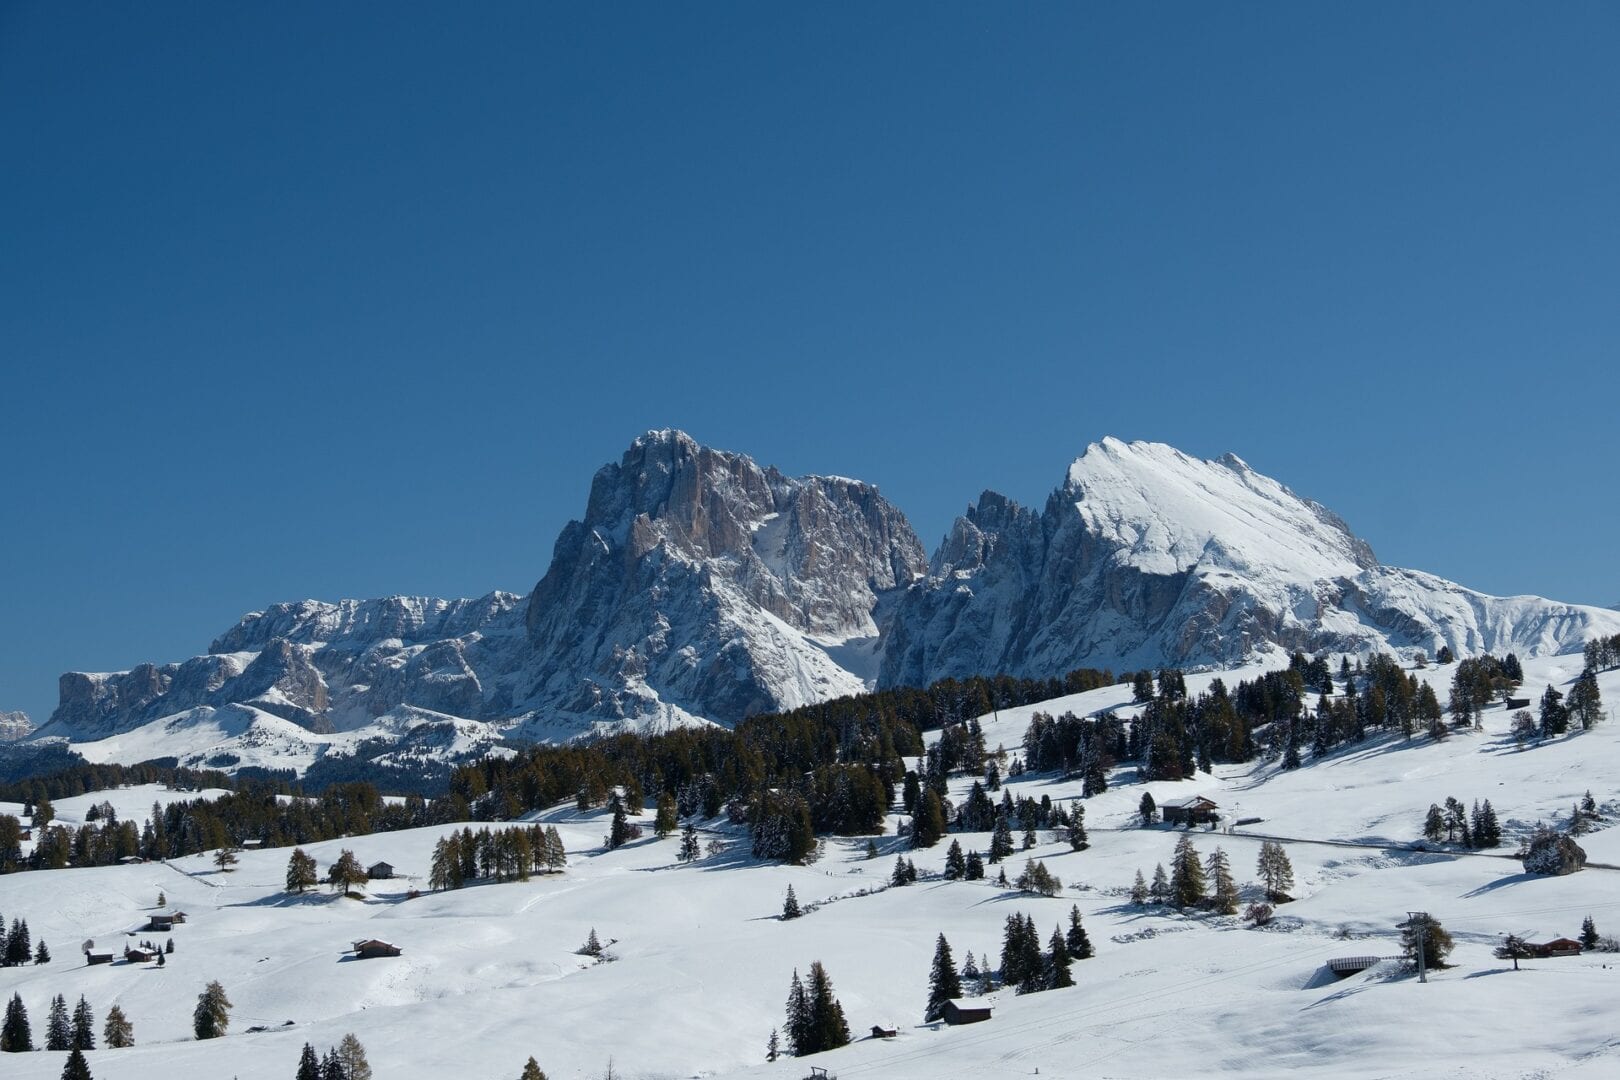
(489, 975)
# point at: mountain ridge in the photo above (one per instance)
(700, 587)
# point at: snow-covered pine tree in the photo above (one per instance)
(797, 1025)
(689, 843)
(1589, 934)
(975, 867)
(790, 905)
(955, 862)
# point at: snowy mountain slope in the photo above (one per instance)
(701, 587)
(14, 726)
(1146, 557)
(488, 975)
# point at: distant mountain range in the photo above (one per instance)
(14, 726)
(701, 587)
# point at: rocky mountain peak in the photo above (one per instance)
(15, 726)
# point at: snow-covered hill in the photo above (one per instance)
(701, 587)
(489, 976)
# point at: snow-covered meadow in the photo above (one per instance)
(489, 974)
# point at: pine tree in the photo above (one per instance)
(58, 1032)
(592, 946)
(1589, 934)
(331, 1067)
(619, 830)
(1186, 874)
(301, 872)
(76, 1068)
(309, 1066)
(689, 843)
(1160, 889)
(42, 955)
(1434, 824)
(955, 862)
(943, 984)
(797, 1024)
(1001, 841)
(899, 876)
(15, 1034)
(1489, 832)
(1223, 889)
(1077, 828)
(1585, 703)
(1554, 714)
(970, 972)
(1435, 942)
(829, 1029)
(1139, 890)
(84, 1026)
(353, 1058)
(1077, 941)
(118, 1033)
(212, 1015)
(975, 867)
(928, 823)
(1057, 962)
(1147, 809)
(790, 906)
(773, 1047)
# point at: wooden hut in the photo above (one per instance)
(1196, 810)
(166, 920)
(371, 949)
(956, 1011)
(380, 871)
(1557, 947)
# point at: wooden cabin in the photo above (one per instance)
(956, 1011)
(1196, 810)
(372, 948)
(1517, 703)
(140, 955)
(881, 1032)
(166, 920)
(380, 871)
(98, 956)
(1557, 947)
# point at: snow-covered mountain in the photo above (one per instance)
(702, 587)
(1145, 556)
(698, 587)
(14, 726)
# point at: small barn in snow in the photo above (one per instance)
(372, 948)
(1196, 810)
(956, 1011)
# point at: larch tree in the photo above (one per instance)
(1223, 889)
(1186, 874)
(353, 1058)
(301, 871)
(531, 1070)
(117, 1032)
(1276, 872)
(346, 873)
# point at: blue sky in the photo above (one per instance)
(349, 300)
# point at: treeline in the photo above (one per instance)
(86, 779)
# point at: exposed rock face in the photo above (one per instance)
(703, 584)
(1145, 557)
(1553, 853)
(14, 726)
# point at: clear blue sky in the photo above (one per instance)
(343, 300)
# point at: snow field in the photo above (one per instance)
(489, 974)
